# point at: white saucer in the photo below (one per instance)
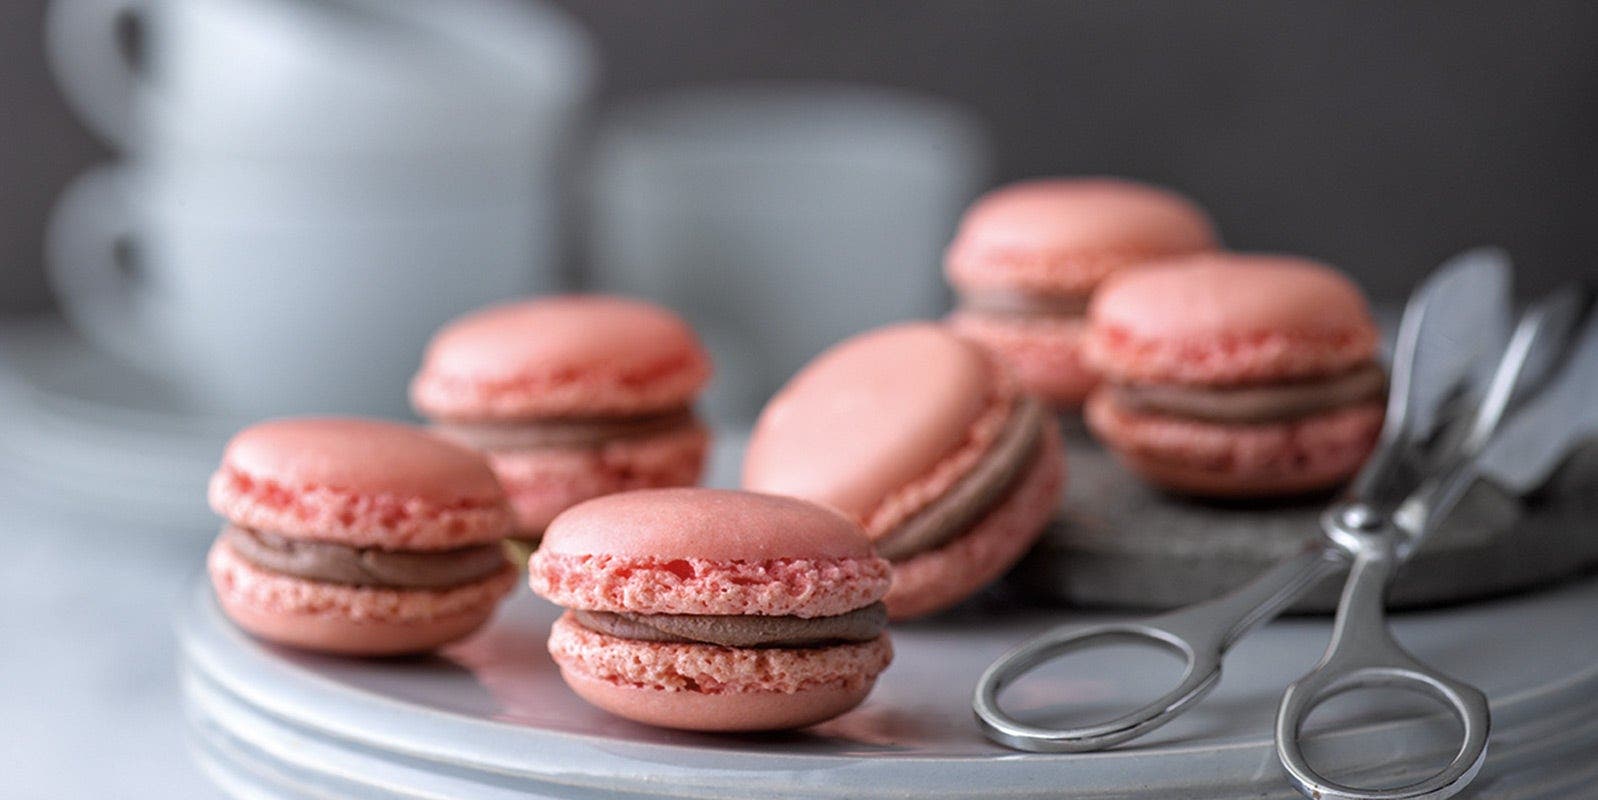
(95, 439)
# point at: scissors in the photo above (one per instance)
(1439, 436)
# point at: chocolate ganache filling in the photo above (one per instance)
(1258, 403)
(1008, 302)
(562, 432)
(860, 625)
(981, 489)
(364, 566)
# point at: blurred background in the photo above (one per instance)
(214, 210)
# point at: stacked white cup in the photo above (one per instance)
(781, 217)
(310, 189)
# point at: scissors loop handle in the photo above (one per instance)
(1363, 654)
(1201, 673)
(1200, 635)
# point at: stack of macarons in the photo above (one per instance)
(1027, 258)
(714, 610)
(1231, 375)
(357, 537)
(570, 397)
(929, 443)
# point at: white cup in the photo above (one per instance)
(361, 77)
(311, 187)
(277, 316)
(783, 217)
(288, 191)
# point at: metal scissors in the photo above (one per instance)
(1441, 432)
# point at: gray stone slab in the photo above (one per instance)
(1120, 543)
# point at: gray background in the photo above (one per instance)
(1378, 136)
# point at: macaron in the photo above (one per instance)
(570, 397)
(714, 610)
(357, 537)
(1028, 256)
(928, 442)
(1231, 375)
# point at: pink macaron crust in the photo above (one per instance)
(515, 381)
(1028, 257)
(350, 620)
(712, 670)
(724, 712)
(559, 357)
(886, 427)
(880, 424)
(937, 579)
(359, 482)
(1230, 318)
(703, 551)
(1217, 326)
(389, 504)
(1237, 461)
(717, 553)
(542, 483)
(1062, 236)
(1045, 353)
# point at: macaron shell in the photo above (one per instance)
(869, 416)
(1064, 235)
(727, 712)
(359, 482)
(1229, 318)
(803, 587)
(708, 525)
(1239, 460)
(936, 580)
(544, 482)
(1045, 353)
(642, 680)
(349, 620)
(578, 355)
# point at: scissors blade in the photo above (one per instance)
(1455, 321)
(1541, 340)
(1532, 443)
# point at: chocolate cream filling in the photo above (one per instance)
(1265, 403)
(1011, 303)
(860, 625)
(567, 432)
(364, 566)
(980, 490)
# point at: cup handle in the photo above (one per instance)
(87, 264)
(92, 65)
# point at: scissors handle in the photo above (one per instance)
(1363, 654)
(1200, 635)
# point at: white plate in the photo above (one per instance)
(490, 718)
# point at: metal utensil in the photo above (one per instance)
(1426, 458)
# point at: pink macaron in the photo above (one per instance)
(1231, 375)
(714, 610)
(571, 397)
(927, 441)
(1028, 256)
(357, 537)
